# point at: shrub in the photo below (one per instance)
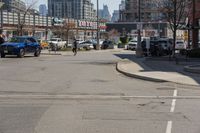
(183, 52)
(194, 53)
(124, 40)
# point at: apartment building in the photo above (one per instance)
(77, 9)
(13, 5)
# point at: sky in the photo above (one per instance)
(112, 4)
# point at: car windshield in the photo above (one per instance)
(134, 41)
(163, 42)
(17, 39)
(54, 39)
(179, 42)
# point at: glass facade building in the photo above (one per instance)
(77, 9)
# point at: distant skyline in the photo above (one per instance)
(112, 4)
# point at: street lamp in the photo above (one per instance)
(194, 24)
(139, 27)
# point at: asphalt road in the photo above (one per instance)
(85, 94)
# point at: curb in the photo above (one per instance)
(132, 75)
(192, 69)
(50, 53)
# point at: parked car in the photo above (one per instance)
(107, 44)
(165, 43)
(154, 48)
(165, 46)
(20, 46)
(56, 43)
(87, 45)
(180, 45)
(160, 47)
(94, 42)
(132, 45)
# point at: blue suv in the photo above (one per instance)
(20, 46)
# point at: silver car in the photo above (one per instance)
(132, 45)
(87, 45)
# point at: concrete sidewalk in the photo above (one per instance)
(47, 52)
(142, 71)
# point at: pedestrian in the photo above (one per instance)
(1, 39)
(75, 47)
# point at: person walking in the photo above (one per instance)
(1, 39)
(75, 47)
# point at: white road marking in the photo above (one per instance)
(173, 102)
(169, 127)
(173, 105)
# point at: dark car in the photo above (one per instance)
(107, 45)
(20, 46)
(160, 48)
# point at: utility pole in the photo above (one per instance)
(1, 12)
(174, 27)
(98, 45)
(139, 26)
(194, 36)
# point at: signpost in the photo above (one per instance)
(139, 49)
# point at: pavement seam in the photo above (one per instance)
(87, 97)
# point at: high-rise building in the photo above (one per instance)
(149, 10)
(122, 7)
(88, 10)
(104, 13)
(115, 16)
(14, 5)
(43, 10)
(77, 9)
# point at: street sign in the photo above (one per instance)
(58, 21)
(185, 35)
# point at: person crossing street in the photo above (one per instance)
(75, 47)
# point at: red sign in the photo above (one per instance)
(86, 24)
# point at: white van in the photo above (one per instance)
(180, 44)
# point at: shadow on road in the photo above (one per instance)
(152, 64)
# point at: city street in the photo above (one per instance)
(85, 94)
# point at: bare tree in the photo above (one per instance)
(22, 20)
(64, 30)
(175, 12)
(69, 26)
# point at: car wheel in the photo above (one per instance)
(21, 53)
(3, 55)
(85, 48)
(37, 52)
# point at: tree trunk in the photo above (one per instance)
(67, 37)
(174, 43)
